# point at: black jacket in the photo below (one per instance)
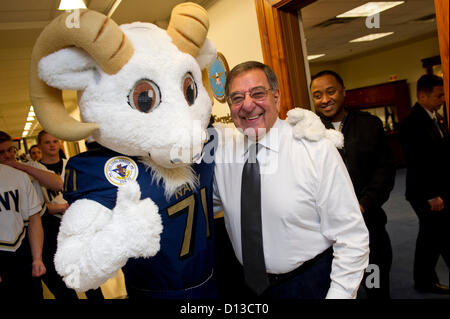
(369, 161)
(427, 156)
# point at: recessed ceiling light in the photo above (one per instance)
(30, 118)
(372, 37)
(27, 126)
(369, 9)
(25, 133)
(71, 4)
(314, 56)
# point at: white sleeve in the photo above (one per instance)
(343, 224)
(30, 203)
(217, 202)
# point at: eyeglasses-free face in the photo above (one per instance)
(257, 111)
(7, 152)
(328, 97)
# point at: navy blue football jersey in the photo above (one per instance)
(186, 256)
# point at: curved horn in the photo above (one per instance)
(188, 27)
(96, 34)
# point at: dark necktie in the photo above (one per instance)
(251, 225)
(438, 127)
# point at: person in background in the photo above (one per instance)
(311, 242)
(21, 262)
(8, 157)
(56, 206)
(370, 163)
(35, 153)
(50, 147)
(425, 142)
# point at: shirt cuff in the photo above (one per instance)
(334, 293)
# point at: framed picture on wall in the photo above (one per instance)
(217, 74)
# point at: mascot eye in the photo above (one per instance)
(189, 89)
(145, 96)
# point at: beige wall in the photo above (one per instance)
(403, 61)
(234, 30)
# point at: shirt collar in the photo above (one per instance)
(431, 114)
(270, 141)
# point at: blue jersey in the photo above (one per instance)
(186, 256)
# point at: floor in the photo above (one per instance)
(403, 227)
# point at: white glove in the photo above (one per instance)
(307, 124)
(94, 242)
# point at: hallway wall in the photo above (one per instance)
(403, 61)
(234, 31)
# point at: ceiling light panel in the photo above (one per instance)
(71, 4)
(371, 37)
(369, 9)
(315, 56)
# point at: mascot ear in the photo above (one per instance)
(207, 54)
(68, 69)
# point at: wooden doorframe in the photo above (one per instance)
(282, 49)
(441, 8)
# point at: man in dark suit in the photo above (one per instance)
(425, 142)
(370, 164)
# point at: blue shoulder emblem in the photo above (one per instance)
(121, 170)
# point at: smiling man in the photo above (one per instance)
(254, 100)
(370, 164)
(287, 220)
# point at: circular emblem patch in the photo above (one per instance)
(121, 170)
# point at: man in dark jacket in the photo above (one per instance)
(425, 144)
(370, 164)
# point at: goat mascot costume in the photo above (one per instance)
(143, 191)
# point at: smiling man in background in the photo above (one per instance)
(370, 165)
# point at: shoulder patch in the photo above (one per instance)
(121, 170)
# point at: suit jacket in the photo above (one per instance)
(370, 163)
(426, 155)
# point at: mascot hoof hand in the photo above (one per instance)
(139, 221)
(308, 125)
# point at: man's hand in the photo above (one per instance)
(436, 204)
(12, 163)
(57, 208)
(38, 268)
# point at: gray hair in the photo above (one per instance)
(251, 65)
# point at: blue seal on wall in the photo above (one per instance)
(217, 73)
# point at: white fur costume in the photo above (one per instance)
(165, 130)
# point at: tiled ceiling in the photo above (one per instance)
(21, 21)
(408, 21)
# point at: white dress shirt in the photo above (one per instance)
(308, 204)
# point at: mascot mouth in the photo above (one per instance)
(194, 159)
(178, 161)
